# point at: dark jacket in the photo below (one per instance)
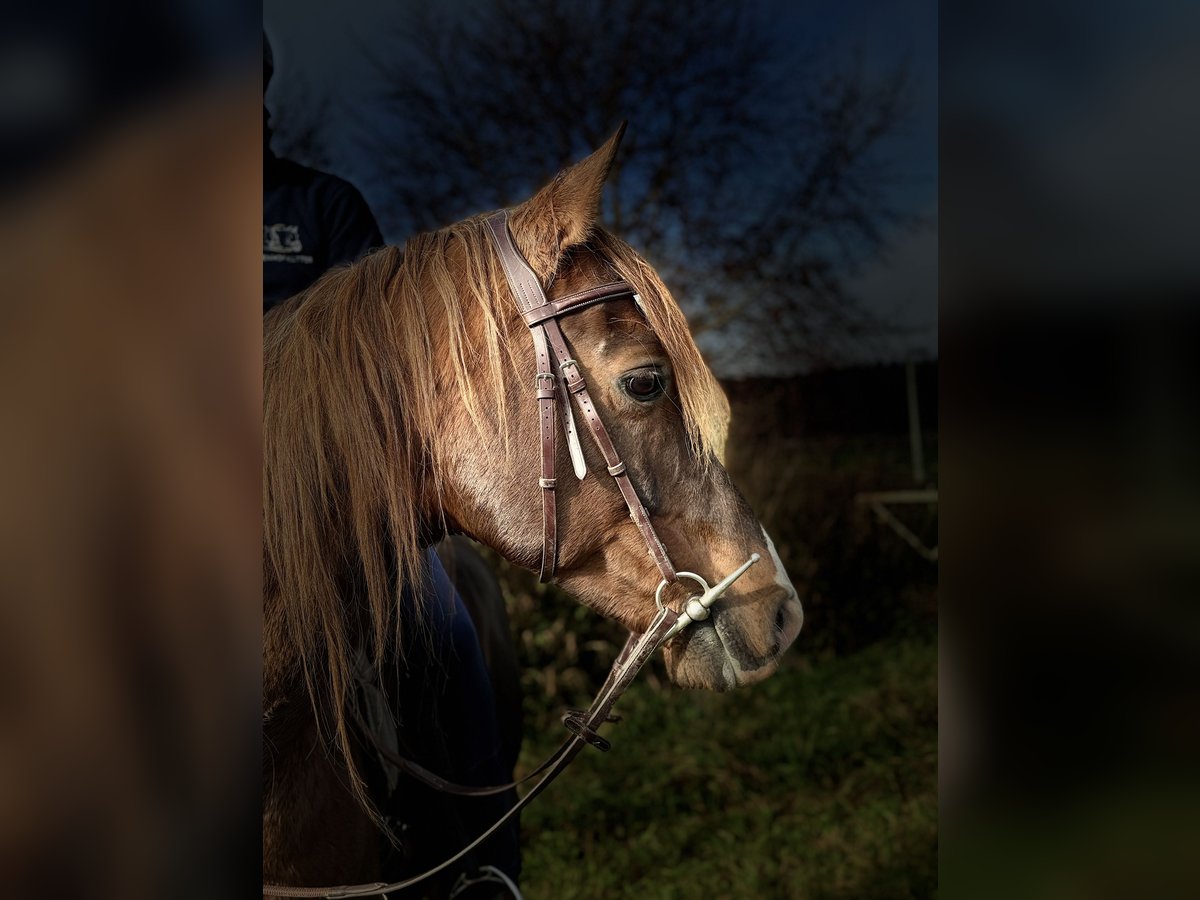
(312, 221)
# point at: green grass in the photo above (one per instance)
(818, 783)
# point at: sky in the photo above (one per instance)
(320, 46)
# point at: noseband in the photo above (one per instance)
(550, 347)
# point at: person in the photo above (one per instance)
(442, 692)
(312, 220)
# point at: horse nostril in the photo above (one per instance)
(780, 618)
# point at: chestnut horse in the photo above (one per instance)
(398, 406)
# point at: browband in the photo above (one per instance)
(577, 301)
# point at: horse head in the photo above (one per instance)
(666, 415)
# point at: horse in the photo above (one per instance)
(398, 408)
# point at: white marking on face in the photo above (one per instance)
(793, 602)
(732, 672)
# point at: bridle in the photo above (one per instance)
(542, 315)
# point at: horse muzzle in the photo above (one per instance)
(718, 647)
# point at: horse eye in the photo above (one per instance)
(644, 385)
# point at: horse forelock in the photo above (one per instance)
(703, 401)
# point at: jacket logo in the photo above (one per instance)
(281, 243)
(281, 238)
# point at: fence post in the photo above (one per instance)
(916, 448)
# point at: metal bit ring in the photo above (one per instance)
(692, 575)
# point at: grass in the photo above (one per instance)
(818, 783)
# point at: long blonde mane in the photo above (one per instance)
(353, 370)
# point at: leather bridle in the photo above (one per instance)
(542, 315)
(550, 347)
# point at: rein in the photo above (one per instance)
(541, 315)
(583, 727)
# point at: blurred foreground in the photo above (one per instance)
(129, 507)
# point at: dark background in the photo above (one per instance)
(779, 167)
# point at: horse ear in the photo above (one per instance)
(563, 213)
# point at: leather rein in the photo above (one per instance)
(541, 315)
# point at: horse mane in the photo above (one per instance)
(353, 370)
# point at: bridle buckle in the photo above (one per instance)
(579, 727)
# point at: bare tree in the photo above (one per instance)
(297, 120)
(750, 175)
